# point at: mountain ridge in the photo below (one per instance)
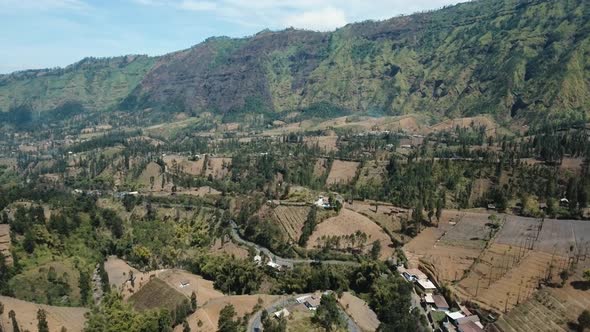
(513, 59)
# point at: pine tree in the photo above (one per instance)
(42, 321)
(193, 301)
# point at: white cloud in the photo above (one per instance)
(305, 14)
(321, 20)
(8, 5)
(197, 5)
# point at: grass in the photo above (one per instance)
(156, 294)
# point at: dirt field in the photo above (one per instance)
(347, 223)
(291, 219)
(118, 271)
(26, 315)
(320, 167)
(229, 248)
(156, 294)
(549, 309)
(466, 123)
(572, 164)
(387, 215)
(470, 231)
(5, 243)
(342, 172)
(152, 170)
(181, 164)
(218, 168)
(208, 315)
(360, 312)
(326, 143)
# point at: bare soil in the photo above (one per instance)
(360, 312)
(72, 318)
(342, 172)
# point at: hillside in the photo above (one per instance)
(523, 59)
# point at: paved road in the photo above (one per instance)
(288, 262)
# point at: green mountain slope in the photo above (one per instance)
(523, 59)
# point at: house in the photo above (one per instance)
(426, 286)
(491, 207)
(258, 260)
(282, 313)
(413, 275)
(312, 302)
(437, 302)
(323, 202)
(469, 324)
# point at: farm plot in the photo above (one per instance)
(342, 172)
(359, 311)
(5, 243)
(325, 143)
(372, 172)
(291, 219)
(229, 248)
(151, 177)
(471, 231)
(185, 283)
(505, 275)
(120, 272)
(346, 224)
(218, 168)
(320, 167)
(181, 164)
(549, 309)
(72, 318)
(384, 214)
(205, 318)
(156, 294)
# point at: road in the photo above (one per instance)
(288, 262)
(255, 323)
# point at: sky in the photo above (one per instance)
(50, 33)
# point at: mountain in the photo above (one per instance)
(515, 59)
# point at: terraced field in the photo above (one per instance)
(5, 243)
(291, 219)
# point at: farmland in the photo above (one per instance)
(348, 223)
(156, 293)
(384, 214)
(325, 143)
(342, 172)
(203, 288)
(291, 219)
(181, 164)
(217, 167)
(71, 318)
(359, 311)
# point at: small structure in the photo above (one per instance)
(412, 275)
(469, 324)
(437, 302)
(282, 313)
(274, 265)
(564, 202)
(426, 286)
(312, 302)
(184, 283)
(323, 202)
(491, 207)
(258, 260)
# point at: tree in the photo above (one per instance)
(327, 314)
(584, 320)
(376, 249)
(226, 322)
(42, 321)
(29, 242)
(185, 326)
(193, 301)
(85, 287)
(1, 313)
(12, 316)
(586, 275)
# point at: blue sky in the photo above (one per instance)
(51, 33)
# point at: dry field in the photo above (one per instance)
(229, 248)
(291, 219)
(325, 143)
(549, 309)
(360, 312)
(342, 172)
(151, 170)
(479, 189)
(372, 172)
(71, 318)
(466, 123)
(156, 294)
(181, 164)
(118, 271)
(5, 243)
(384, 214)
(218, 168)
(348, 222)
(572, 164)
(10, 163)
(320, 167)
(470, 231)
(208, 314)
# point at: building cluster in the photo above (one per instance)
(461, 320)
